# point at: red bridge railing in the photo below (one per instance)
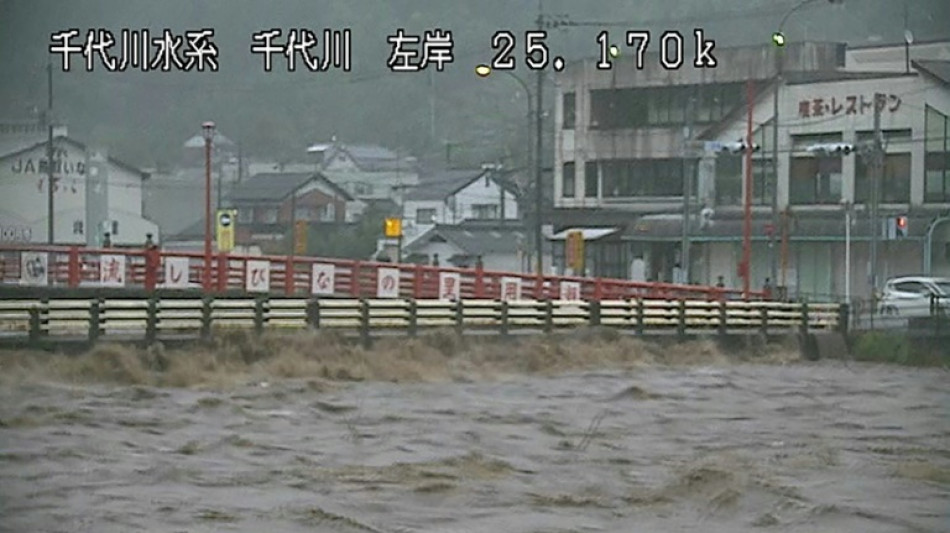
(74, 267)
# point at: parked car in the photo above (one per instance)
(910, 296)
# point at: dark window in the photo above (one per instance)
(895, 180)
(815, 180)
(729, 180)
(590, 179)
(626, 178)
(662, 106)
(425, 216)
(937, 158)
(762, 172)
(567, 181)
(570, 111)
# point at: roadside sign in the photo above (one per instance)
(225, 229)
(257, 276)
(574, 252)
(300, 237)
(323, 280)
(392, 228)
(387, 282)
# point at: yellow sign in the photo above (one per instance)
(574, 251)
(393, 227)
(225, 220)
(300, 237)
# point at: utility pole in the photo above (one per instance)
(877, 156)
(773, 183)
(538, 130)
(49, 151)
(687, 192)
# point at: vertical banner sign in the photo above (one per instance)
(574, 252)
(450, 284)
(176, 272)
(387, 282)
(34, 268)
(323, 279)
(300, 237)
(225, 229)
(257, 276)
(510, 288)
(570, 290)
(112, 270)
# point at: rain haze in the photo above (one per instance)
(579, 289)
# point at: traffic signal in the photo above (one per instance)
(739, 147)
(831, 148)
(900, 225)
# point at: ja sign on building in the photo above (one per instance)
(92, 194)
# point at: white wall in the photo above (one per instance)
(484, 191)
(23, 203)
(442, 213)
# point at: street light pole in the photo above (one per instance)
(49, 153)
(207, 130)
(538, 197)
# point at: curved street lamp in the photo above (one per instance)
(778, 39)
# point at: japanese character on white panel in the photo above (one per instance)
(570, 290)
(176, 272)
(387, 282)
(257, 277)
(34, 268)
(450, 286)
(510, 288)
(112, 270)
(323, 279)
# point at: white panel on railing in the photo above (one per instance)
(257, 276)
(176, 272)
(112, 270)
(34, 268)
(570, 290)
(450, 284)
(510, 288)
(387, 282)
(323, 279)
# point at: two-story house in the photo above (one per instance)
(453, 196)
(268, 204)
(367, 172)
(628, 140)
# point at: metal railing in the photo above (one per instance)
(155, 317)
(76, 267)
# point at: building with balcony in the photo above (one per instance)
(628, 140)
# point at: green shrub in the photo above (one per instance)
(882, 347)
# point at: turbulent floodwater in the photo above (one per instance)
(724, 448)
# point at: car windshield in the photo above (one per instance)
(944, 287)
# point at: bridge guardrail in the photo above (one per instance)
(78, 267)
(26, 321)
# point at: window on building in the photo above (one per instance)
(328, 212)
(267, 215)
(484, 211)
(895, 179)
(762, 175)
(425, 216)
(304, 213)
(937, 156)
(567, 180)
(591, 179)
(729, 180)
(618, 108)
(626, 178)
(815, 181)
(570, 111)
(662, 106)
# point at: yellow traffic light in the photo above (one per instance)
(392, 228)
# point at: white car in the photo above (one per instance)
(910, 296)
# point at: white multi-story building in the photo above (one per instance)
(92, 194)
(621, 158)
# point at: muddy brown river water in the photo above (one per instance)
(830, 447)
